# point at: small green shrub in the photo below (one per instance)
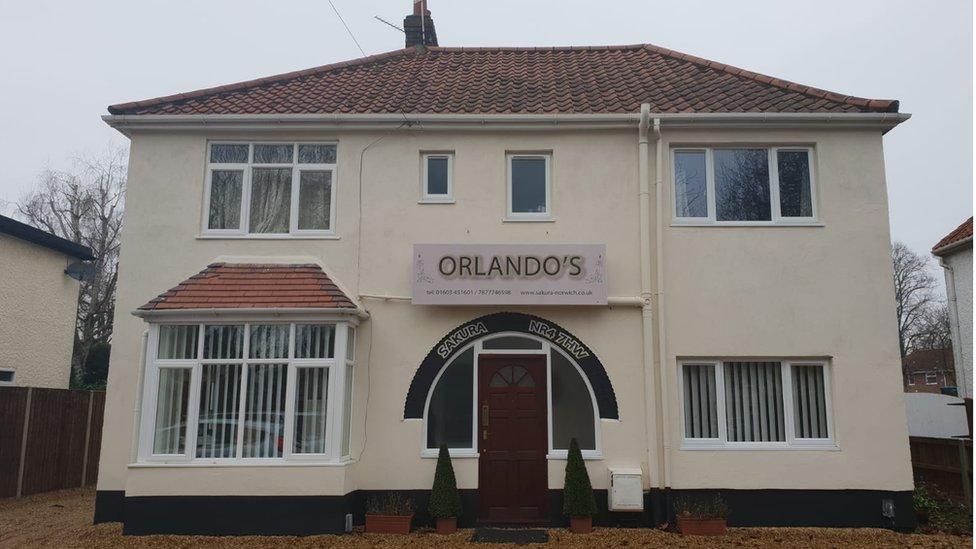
(937, 512)
(393, 503)
(700, 507)
(578, 499)
(445, 501)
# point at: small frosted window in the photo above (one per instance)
(449, 419)
(572, 406)
(511, 342)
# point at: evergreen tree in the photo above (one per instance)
(445, 500)
(578, 499)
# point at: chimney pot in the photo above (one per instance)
(419, 27)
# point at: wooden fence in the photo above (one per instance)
(944, 462)
(49, 439)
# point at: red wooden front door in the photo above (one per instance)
(512, 427)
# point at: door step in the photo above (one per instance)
(510, 535)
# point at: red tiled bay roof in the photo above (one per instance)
(958, 234)
(602, 79)
(254, 286)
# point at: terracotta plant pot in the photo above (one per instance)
(581, 525)
(388, 524)
(446, 525)
(701, 526)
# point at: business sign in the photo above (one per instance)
(509, 274)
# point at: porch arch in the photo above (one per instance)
(455, 341)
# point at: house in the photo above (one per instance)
(955, 253)
(929, 371)
(39, 278)
(328, 274)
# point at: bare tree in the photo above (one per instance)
(914, 287)
(85, 205)
(932, 330)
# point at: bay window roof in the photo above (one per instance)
(254, 286)
(555, 80)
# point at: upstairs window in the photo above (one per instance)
(743, 185)
(529, 187)
(437, 177)
(271, 189)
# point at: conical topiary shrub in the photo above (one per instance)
(579, 504)
(445, 500)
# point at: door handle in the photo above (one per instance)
(484, 421)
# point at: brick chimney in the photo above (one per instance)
(419, 27)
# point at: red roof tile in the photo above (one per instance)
(958, 234)
(604, 79)
(249, 286)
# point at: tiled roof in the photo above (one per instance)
(958, 234)
(604, 79)
(928, 360)
(254, 286)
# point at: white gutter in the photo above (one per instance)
(496, 122)
(664, 364)
(137, 408)
(265, 312)
(950, 247)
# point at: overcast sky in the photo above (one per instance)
(63, 62)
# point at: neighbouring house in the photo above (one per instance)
(39, 284)
(327, 274)
(955, 253)
(929, 371)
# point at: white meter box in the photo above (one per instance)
(626, 491)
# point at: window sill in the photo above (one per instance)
(588, 455)
(747, 224)
(760, 447)
(459, 453)
(436, 201)
(221, 464)
(267, 237)
(528, 220)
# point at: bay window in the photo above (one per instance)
(755, 404)
(743, 185)
(270, 189)
(256, 392)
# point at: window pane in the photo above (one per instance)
(219, 410)
(177, 342)
(270, 200)
(572, 407)
(314, 340)
(529, 185)
(347, 411)
(689, 184)
(225, 199)
(449, 415)
(311, 399)
(350, 343)
(437, 175)
(223, 341)
(264, 416)
(316, 154)
(754, 402)
(701, 407)
(6, 376)
(228, 154)
(269, 341)
(511, 342)
(809, 405)
(794, 184)
(172, 400)
(742, 185)
(273, 154)
(315, 200)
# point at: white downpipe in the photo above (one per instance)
(137, 409)
(647, 315)
(663, 362)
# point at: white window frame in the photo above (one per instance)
(13, 377)
(528, 216)
(472, 451)
(434, 198)
(911, 378)
(791, 442)
(776, 217)
(334, 407)
(934, 376)
(244, 229)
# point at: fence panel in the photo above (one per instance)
(61, 446)
(940, 462)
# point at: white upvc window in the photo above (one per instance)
(743, 185)
(248, 392)
(437, 177)
(6, 377)
(931, 378)
(529, 187)
(755, 404)
(911, 378)
(270, 189)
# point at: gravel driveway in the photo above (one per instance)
(63, 519)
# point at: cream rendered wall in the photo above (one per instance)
(960, 275)
(38, 303)
(779, 291)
